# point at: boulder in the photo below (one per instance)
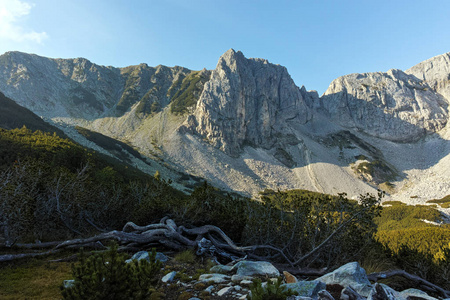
(144, 255)
(416, 294)
(169, 277)
(222, 269)
(224, 291)
(216, 278)
(255, 268)
(383, 292)
(352, 275)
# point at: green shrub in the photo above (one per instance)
(272, 291)
(188, 93)
(108, 276)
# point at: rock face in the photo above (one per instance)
(77, 88)
(350, 274)
(247, 102)
(392, 105)
(435, 72)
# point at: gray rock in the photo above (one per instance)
(246, 282)
(169, 277)
(392, 105)
(255, 268)
(247, 102)
(161, 257)
(417, 294)
(209, 289)
(194, 298)
(349, 293)
(240, 278)
(216, 278)
(222, 269)
(352, 275)
(224, 291)
(436, 72)
(145, 255)
(383, 292)
(306, 288)
(325, 295)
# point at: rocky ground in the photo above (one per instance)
(186, 277)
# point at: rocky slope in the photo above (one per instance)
(246, 126)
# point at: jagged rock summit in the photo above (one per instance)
(435, 72)
(247, 102)
(392, 105)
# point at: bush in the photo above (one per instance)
(108, 276)
(272, 291)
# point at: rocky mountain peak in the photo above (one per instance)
(436, 72)
(247, 102)
(393, 105)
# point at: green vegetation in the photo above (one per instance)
(51, 187)
(299, 220)
(187, 95)
(150, 103)
(400, 216)
(186, 256)
(272, 291)
(32, 279)
(413, 245)
(110, 144)
(130, 94)
(14, 116)
(444, 202)
(378, 171)
(108, 276)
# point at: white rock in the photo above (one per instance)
(224, 291)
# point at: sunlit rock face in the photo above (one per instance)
(392, 105)
(247, 102)
(435, 72)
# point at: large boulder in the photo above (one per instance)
(352, 275)
(255, 268)
(383, 292)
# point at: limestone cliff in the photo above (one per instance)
(436, 72)
(247, 102)
(392, 105)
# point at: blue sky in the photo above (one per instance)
(317, 41)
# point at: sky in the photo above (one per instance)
(317, 40)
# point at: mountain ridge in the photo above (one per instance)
(245, 126)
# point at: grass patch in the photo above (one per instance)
(187, 256)
(443, 202)
(33, 279)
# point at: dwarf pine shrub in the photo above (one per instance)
(108, 276)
